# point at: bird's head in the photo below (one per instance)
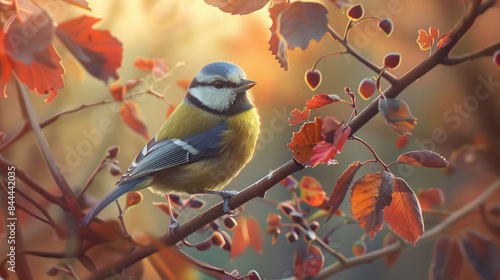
(220, 87)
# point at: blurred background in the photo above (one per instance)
(455, 106)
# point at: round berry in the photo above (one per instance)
(392, 60)
(355, 12)
(358, 248)
(386, 25)
(366, 88)
(496, 58)
(313, 78)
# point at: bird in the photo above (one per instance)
(203, 144)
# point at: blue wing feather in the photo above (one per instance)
(167, 153)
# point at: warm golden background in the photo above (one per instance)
(194, 33)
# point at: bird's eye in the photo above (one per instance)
(218, 84)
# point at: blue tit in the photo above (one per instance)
(204, 143)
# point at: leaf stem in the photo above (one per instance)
(377, 158)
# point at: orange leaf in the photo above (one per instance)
(370, 194)
(133, 198)
(246, 233)
(426, 40)
(170, 110)
(299, 116)
(311, 191)
(431, 197)
(308, 261)
(320, 100)
(423, 158)
(402, 141)
(341, 187)
(5, 68)
(118, 92)
(40, 78)
(397, 115)
(444, 40)
(304, 141)
(404, 214)
(97, 50)
(130, 113)
(184, 84)
(157, 67)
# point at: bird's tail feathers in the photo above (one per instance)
(116, 193)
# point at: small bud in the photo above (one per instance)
(133, 198)
(358, 248)
(291, 237)
(113, 152)
(217, 239)
(386, 25)
(314, 226)
(230, 222)
(273, 230)
(176, 199)
(227, 240)
(392, 60)
(215, 225)
(114, 169)
(204, 245)
(273, 220)
(297, 217)
(286, 208)
(309, 236)
(297, 230)
(366, 88)
(313, 78)
(196, 203)
(496, 58)
(355, 12)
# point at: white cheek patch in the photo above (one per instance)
(216, 99)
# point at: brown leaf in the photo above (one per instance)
(320, 100)
(130, 113)
(308, 261)
(370, 194)
(277, 44)
(311, 191)
(431, 197)
(97, 50)
(397, 115)
(341, 187)
(423, 158)
(404, 215)
(304, 141)
(446, 260)
(482, 253)
(238, 7)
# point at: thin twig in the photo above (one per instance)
(487, 51)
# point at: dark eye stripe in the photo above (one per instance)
(226, 84)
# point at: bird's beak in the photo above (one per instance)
(245, 85)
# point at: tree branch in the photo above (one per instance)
(428, 236)
(487, 51)
(68, 194)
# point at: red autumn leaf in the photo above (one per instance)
(431, 197)
(157, 67)
(390, 259)
(304, 141)
(163, 207)
(118, 92)
(27, 42)
(370, 195)
(79, 3)
(444, 40)
(311, 191)
(246, 233)
(403, 214)
(423, 158)
(40, 78)
(336, 134)
(5, 68)
(170, 110)
(277, 44)
(402, 141)
(130, 113)
(299, 116)
(483, 254)
(446, 259)
(238, 7)
(320, 100)
(308, 261)
(397, 115)
(341, 187)
(133, 198)
(426, 40)
(97, 50)
(184, 84)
